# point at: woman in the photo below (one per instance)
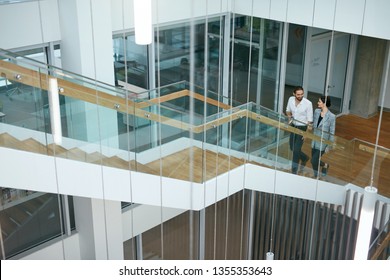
(324, 126)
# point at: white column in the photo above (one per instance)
(365, 223)
(86, 49)
(99, 225)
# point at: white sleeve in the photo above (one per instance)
(310, 113)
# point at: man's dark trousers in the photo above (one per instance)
(296, 142)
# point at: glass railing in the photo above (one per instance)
(368, 165)
(176, 131)
(104, 124)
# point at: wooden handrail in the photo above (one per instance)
(127, 106)
(39, 80)
(369, 149)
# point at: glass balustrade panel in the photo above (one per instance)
(161, 140)
(368, 165)
(23, 108)
(74, 122)
(267, 138)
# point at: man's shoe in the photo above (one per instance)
(324, 169)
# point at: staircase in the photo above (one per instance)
(192, 164)
(15, 217)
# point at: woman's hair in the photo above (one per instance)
(326, 100)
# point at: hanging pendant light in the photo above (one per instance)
(143, 22)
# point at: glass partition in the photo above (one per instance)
(327, 70)
(173, 56)
(268, 143)
(112, 123)
(256, 53)
(179, 134)
(130, 63)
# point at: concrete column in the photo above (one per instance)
(99, 225)
(366, 85)
(384, 101)
(86, 49)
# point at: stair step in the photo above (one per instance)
(53, 149)
(177, 165)
(9, 141)
(117, 162)
(31, 205)
(95, 157)
(138, 167)
(32, 145)
(13, 218)
(7, 226)
(43, 198)
(29, 145)
(76, 154)
(17, 214)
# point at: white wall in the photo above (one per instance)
(67, 248)
(58, 176)
(365, 17)
(22, 24)
(134, 222)
(166, 11)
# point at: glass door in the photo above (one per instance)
(327, 67)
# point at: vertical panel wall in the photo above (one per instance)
(298, 229)
(323, 16)
(278, 10)
(376, 19)
(300, 12)
(23, 24)
(349, 16)
(368, 17)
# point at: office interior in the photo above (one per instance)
(178, 149)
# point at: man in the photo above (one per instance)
(300, 113)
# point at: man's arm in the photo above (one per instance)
(289, 115)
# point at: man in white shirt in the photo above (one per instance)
(300, 112)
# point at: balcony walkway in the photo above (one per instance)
(350, 127)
